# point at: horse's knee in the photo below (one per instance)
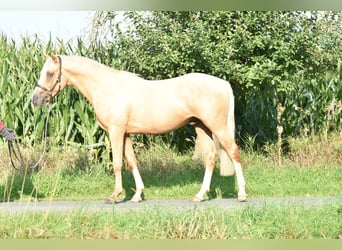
(210, 158)
(117, 166)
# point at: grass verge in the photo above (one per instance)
(69, 173)
(271, 222)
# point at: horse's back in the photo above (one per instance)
(203, 86)
(197, 83)
(199, 79)
(192, 88)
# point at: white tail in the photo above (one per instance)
(226, 164)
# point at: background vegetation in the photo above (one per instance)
(284, 67)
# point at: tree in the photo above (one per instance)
(264, 55)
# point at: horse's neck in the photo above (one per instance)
(82, 76)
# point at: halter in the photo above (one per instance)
(58, 80)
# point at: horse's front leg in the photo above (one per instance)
(117, 143)
(132, 164)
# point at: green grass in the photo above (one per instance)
(263, 180)
(70, 173)
(272, 222)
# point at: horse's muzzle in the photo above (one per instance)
(40, 99)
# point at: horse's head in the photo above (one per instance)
(50, 81)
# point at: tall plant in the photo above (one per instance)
(72, 118)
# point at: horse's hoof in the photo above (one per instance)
(197, 199)
(242, 198)
(111, 201)
(136, 199)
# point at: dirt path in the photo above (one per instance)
(177, 205)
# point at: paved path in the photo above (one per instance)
(177, 205)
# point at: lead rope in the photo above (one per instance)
(12, 150)
(45, 139)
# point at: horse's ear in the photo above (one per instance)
(45, 56)
(54, 58)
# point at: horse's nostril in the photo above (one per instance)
(36, 100)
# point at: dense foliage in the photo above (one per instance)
(284, 68)
(272, 59)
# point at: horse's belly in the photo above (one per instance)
(156, 124)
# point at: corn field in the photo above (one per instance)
(308, 107)
(301, 107)
(71, 118)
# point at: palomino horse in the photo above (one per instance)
(126, 104)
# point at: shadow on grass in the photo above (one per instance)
(157, 174)
(18, 186)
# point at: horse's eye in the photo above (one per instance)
(49, 75)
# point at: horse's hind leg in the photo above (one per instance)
(206, 145)
(132, 164)
(232, 150)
